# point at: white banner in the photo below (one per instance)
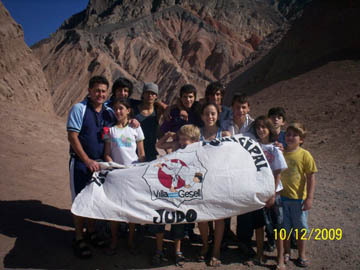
(202, 182)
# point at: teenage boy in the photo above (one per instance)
(214, 93)
(124, 88)
(278, 117)
(241, 123)
(148, 115)
(187, 103)
(85, 124)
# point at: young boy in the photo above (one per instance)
(186, 135)
(278, 117)
(188, 114)
(298, 190)
(241, 121)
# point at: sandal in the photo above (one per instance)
(179, 259)
(215, 262)
(81, 249)
(203, 254)
(158, 258)
(95, 240)
(252, 262)
(302, 262)
(256, 261)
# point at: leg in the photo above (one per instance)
(159, 241)
(204, 232)
(280, 254)
(302, 261)
(79, 227)
(114, 234)
(91, 225)
(177, 246)
(259, 243)
(287, 251)
(114, 226)
(80, 247)
(227, 228)
(211, 230)
(179, 257)
(218, 235)
(244, 232)
(159, 256)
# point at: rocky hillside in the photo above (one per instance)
(313, 73)
(169, 42)
(22, 80)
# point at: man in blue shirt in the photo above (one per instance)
(84, 127)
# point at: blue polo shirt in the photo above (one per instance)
(89, 124)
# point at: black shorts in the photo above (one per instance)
(177, 230)
(258, 218)
(80, 176)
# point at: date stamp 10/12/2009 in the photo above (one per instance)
(314, 233)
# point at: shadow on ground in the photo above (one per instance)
(44, 236)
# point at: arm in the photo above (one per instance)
(183, 113)
(279, 145)
(310, 187)
(162, 143)
(271, 201)
(225, 133)
(107, 151)
(73, 138)
(161, 105)
(167, 116)
(277, 174)
(141, 151)
(134, 123)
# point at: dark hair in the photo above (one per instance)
(213, 87)
(122, 101)
(122, 83)
(268, 124)
(298, 128)
(240, 98)
(207, 104)
(277, 111)
(98, 80)
(187, 89)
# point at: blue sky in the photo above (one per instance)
(40, 18)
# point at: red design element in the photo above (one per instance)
(166, 179)
(106, 131)
(269, 156)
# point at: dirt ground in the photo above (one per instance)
(36, 229)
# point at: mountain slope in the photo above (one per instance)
(169, 42)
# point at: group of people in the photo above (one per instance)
(126, 131)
